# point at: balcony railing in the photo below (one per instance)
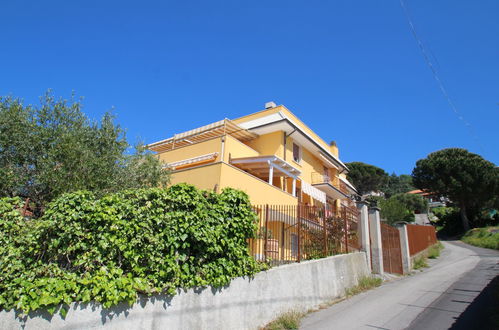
(321, 178)
(318, 178)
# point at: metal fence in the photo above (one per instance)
(291, 233)
(420, 238)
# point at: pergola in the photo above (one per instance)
(271, 166)
(203, 133)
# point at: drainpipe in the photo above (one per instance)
(285, 138)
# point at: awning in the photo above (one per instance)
(192, 161)
(203, 133)
(313, 192)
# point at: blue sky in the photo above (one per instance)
(349, 69)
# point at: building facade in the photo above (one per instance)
(278, 161)
(271, 155)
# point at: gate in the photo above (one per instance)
(392, 254)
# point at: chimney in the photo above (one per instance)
(334, 148)
(270, 105)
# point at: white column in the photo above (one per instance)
(271, 173)
(294, 187)
(376, 245)
(365, 244)
(404, 247)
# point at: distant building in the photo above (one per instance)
(434, 200)
(378, 193)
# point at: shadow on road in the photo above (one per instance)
(483, 312)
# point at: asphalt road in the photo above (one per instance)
(452, 293)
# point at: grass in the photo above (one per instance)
(434, 250)
(292, 319)
(487, 237)
(365, 283)
(432, 253)
(288, 320)
(420, 262)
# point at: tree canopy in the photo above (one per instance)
(366, 177)
(398, 184)
(466, 178)
(54, 148)
(394, 211)
(400, 207)
(413, 203)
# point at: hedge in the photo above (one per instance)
(113, 248)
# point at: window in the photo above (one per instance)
(296, 153)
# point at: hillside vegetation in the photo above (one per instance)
(483, 237)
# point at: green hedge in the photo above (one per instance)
(113, 248)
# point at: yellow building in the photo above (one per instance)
(271, 155)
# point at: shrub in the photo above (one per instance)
(316, 245)
(434, 250)
(420, 262)
(110, 249)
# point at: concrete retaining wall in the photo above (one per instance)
(244, 304)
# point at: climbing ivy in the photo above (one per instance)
(111, 249)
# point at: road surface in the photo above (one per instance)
(444, 296)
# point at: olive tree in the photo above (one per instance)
(54, 148)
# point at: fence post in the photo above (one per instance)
(299, 231)
(344, 214)
(266, 231)
(325, 231)
(376, 243)
(365, 244)
(404, 248)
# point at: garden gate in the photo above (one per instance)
(392, 254)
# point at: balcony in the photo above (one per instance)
(332, 186)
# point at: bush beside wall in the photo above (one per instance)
(111, 249)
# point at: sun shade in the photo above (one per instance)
(203, 133)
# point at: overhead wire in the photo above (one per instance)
(440, 83)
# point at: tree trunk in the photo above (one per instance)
(464, 218)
